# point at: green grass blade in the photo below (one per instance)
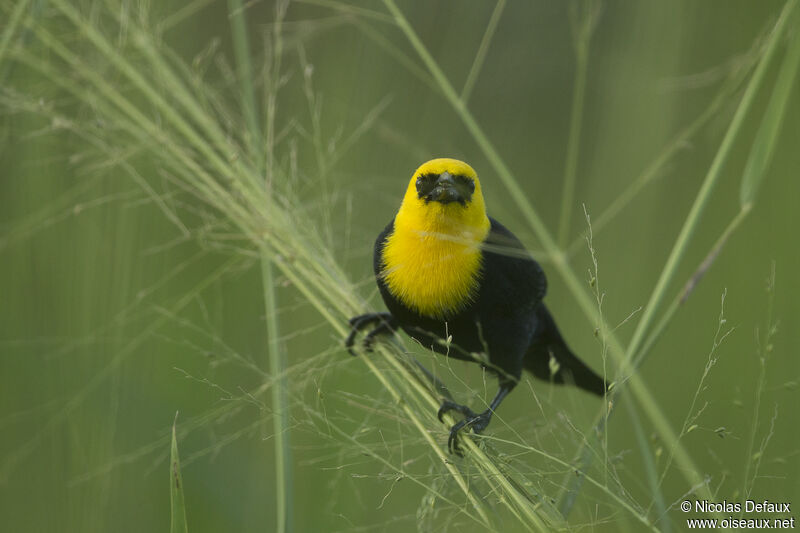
(177, 505)
(767, 136)
(650, 469)
(683, 295)
(245, 76)
(477, 63)
(280, 401)
(583, 26)
(275, 355)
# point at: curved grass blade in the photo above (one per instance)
(177, 507)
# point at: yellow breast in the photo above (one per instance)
(433, 267)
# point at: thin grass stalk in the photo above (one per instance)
(763, 349)
(275, 355)
(682, 296)
(241, 49)
(758, 162)
(692, 414)
(650, 470)
(280, 402)
(273, 86)
(594, 482)
(394, 52)
(369, 451)
(480, 56)
(582, 31)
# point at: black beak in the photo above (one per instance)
(446, 190)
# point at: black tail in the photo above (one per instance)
(547, 343)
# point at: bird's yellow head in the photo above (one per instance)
(444, 196)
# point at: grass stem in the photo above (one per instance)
(582, 30)
(477, 63)
(275, 355)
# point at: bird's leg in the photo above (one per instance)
(387, 324)
(477, 422)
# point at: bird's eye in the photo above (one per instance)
(425, 183)
(467, 183)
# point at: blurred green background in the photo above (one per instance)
(113, 319)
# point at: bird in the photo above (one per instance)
(461, 284)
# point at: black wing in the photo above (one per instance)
(521, 272)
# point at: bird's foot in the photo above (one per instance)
(477, 422)
(386, 325)
(449, 405)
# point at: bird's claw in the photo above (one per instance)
(449, 405)
(368, 343)
(477, 422)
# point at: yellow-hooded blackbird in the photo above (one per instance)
(462, 284)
